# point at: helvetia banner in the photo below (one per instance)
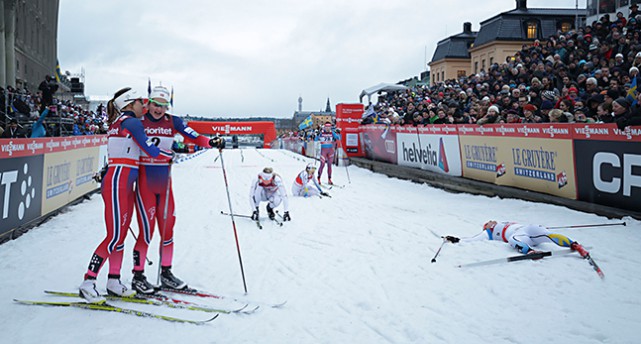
(434, 148)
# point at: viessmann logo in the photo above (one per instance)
(16, 186)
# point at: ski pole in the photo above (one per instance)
(164, 224)
(149, 262)
(439, 250)
(340, 145)
(233, 222)
(593, 225)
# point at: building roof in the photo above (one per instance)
(510, 26)
(456, 46)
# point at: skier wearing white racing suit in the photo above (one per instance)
(268, 187)
(522, 237)
(305, 185)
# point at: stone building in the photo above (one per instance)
(29, 40)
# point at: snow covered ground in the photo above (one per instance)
(354, 268)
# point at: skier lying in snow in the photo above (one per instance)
(522, 237)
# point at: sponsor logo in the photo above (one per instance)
(229, 128)
(535, 163)
(628, 132)
(13, 147)
(427, 155)
(528, 130)
(621, 171)
(159, 131)
(27, 193)
(58, 179)
(480, 157)
(589, 131)
(555, 131)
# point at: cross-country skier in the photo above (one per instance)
(126, 142)
(522, 237)
(327, 138)
(268, 187)
(305, 184)
(154, 195)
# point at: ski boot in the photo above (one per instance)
(329, 181)
(270, 212)
(140, 284)
(169, 281)
(89, 292)
(575, 246)
(115, 287)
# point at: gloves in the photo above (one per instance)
(452, 239)
(217, 142)
(286, 216)
(255, 215)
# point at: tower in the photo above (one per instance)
(300, 104)
(328, 107)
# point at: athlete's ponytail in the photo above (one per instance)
(112, 111)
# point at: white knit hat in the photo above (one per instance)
(495, 108)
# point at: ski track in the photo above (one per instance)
(353, 268)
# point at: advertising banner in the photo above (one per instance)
(68, 175)
(434, 148)
(534, 157)
(479, 153)
(348, 119)
(608, 165)
(20, 191)
(379, 142)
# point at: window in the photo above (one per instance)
(443, 76)
(483, 64)
(531, 30)
(566, 26)
(491, 61)
(476, 67)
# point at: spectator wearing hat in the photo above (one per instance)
(622, 115)
(604, 113)
(13, 131)
(529, 114)
(491, 116)
(634, 11)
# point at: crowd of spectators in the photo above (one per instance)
(587, 75)
(41, 114)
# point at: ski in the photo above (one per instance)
(258, 224)
(595, 266)
(278, 222)
(532, 256)
(105, 307)
(204, 294)
(160, 300)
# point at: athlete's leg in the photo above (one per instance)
(146, 209)
(167, 227)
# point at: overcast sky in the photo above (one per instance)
(256, 57)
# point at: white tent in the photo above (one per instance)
(378, 88)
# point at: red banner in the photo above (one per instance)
(14, 148)
(348, 118)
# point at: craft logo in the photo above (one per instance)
(624, 179)
(9, 180)
(535, 163)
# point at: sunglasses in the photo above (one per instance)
(157, 103)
